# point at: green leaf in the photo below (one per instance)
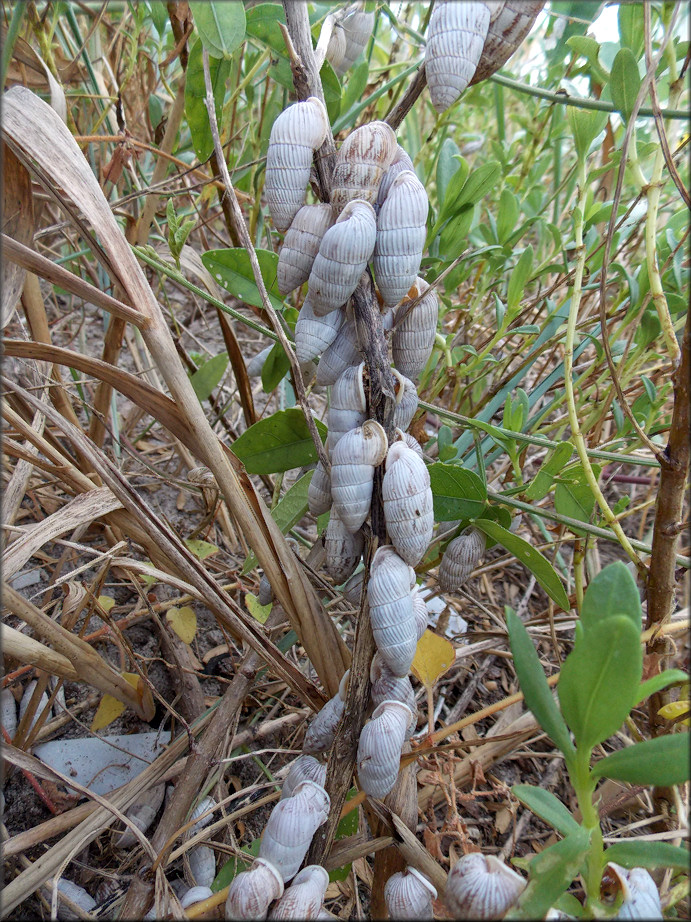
(546, 806)
(600, 678)
(458, 493)
(625, 81)
(355, 84)
(278, 443)
(631, 27)
(550, 874)
(332, 91)
(200, 549)
(454, 236)
(230, 870)
(346, 827)
(518, 279)
(573, 495)
(612, 592)
(286, 513)
(207, 378)
(449, 162)
(536, 562)
(231, 267)
(537, 693)
(195, 92)
(662, 761)
(660, 681)
(259, 612)
(221, 26)
(636, 854)
(542, 482)
(275, 368)
(507, 215)
(263, 24)
(585, 125)
(477, 185)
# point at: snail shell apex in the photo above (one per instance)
(401, 161)
(304, 898)
(460, 558)
(456, 37)
(482, 887)
(304, 768)
(409, 895)
(301, 245)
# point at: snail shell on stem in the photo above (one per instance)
(301, 245)
(313, 334)
(391, 610)
(406, 401)
(305, 896)
(379, 748)
(401, 161)
(481, 887)
(341, 354)
(322, 728)
(292, 825)
(335, 50)
(415, 330)
(407, 499)
(455, 40)
(142, 813)
(343, 549)
(361, 162)
(352, 471)
(357, 27)
(348, 403)
(388, 687)
(509, 24)
(409, 895)
(252, 891)
(304, 768)
(401, 232)
(460, 558)
(421, 612)
(319, 490)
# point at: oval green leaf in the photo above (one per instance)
(278, 443)
(612, 592)
(195, 93)
(231, 267)
(545, 805)
(662, 761)
(221, 26)
(637, 854)
(458, 493)
(625, 81)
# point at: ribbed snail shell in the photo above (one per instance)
(388, 687)
(343, 549)
(203, 813)
(336, 48)
(348, 403)
(314, 334)
(352, 472)
(401, 232)
(460, 558)
(361, 162)
(195, 895)
(8, 711)
(509, 24)
(421, 612)
(481, 887)
(202, 865)
(401, 161)
(301, 245)
(407, 499)
(291, 826)
(73, 892)
(304, 768)
(641, 898)
(256, 363)
(406, 401)
(413, 335)
(142, 813)
(352, 589)
(358, 28)
(252, 891)
(304, 897)
(379, 747)
(410, 441)
(322, 728)
(345, 250)
(297, 132)
(319, 491)
(391, 610)
(265, 593)
(409, 895)
(455, 38)
(341, 354)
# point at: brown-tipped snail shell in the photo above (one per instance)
(251, 892)
(407, 498)
(379, 748)
(481, 887)
(358, 28)
(352, 471)
(401, 232)
(509, 24)
(292, 825)
(364, 157)
(460, 559)
(408, 895)
(391, 610)
(455, 39)
(301, 245)
(415, 330)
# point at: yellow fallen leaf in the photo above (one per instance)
(676, 709)
(110, 708)
(201, 549)
(260, 612)
(434, 655)
(106, 602)
(184, 622)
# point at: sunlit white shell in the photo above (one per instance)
(379, 747)
(314, 334)
(297, 132)
(343, 549)
(361, 162)
(408, 895)
(481, 887)
(304, 768)
(407, 499)
(401, 161)
(352, 472)
(252, 891)
(388, 687)
(292, 825)
(509, 24)
(358, 28)
(415, 330)
(305, 896)
(342, 353)
(337, 47)
(75, 893)
(348, 403)
(142, 813)
(460, 559)
(406, 401)
(641, 899)
(391, 610)
(401, 232)
(319, 491)
(301, 246)
(455, 38)
(345, 250)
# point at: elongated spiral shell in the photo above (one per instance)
(407, 498)
(343, 255)
(304, 768)
(142, 813)
(304, 897)
(379, 747)
(314, 334)
(456, 36)
(77, 894)
(202, 865)
(400, 162)
(319, 491)
(8, 711)
(391, 610)
(406, 401)
(341, 354)
(388, 687)
(415, 330)
(322, 728)
(641, 899)
(481, 887)
(256, 363)
(265, 593)
(252, 891)
(352, 472)
(421, 612)
(401, 232)
(358, 28)
(409, 895)
(352, 589)
(509, 24)
(291, 826)
(297, 132)
(343, 549)
(337, 46)
(364, 157)
(301, 246)
(348, 403)
(460, 558)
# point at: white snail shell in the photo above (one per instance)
(301, 245)
(460, 558)
(252, 891)
(304, 768)
(297, 132)
(304, 897)
(379, 747)
(401, 161)
(407, 499)
(319, 491)
(203, 813)
(345, 250)
(388, 687)
(455, 39)
(195, 895)
(352, 472)
(142, 813)
(352, 588)
(322, 728)
(24, 704)
(641, 899)
(364, 157)
(292, 825)
(420, 611)
(202, 865)
(401, 232)
(358, 28)
(336, 48)
(409, 895)
(348, 403)
(509, 24)
(342, 353)
(314, 334)
(75, 893)
(256, 363)
(391, 610)
(406, 400)
(8, 711)
(413, 335)
(410, 441)
(481, 887)
(343, 549)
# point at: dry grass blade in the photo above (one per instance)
(27, 650)
(18, 220)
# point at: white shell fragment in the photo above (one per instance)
(296, 134)
(401, 232)
(641, 899)
(313, 334)
(348, 403)
(142, 813)
(292, 825)
(460, 558)
(305, 896)
(252, 891)
(319, 491)
(203, 813)
(455, 38)
(304, 768)
(358, 28)
(379, 747)
(409, 895)
(73, 892)
(481, 887)
(343, 255)
(407, 499)
(509, 24)
(364, 157)
(342, 353)
(301, 245)
(391, 610)
(401, 161)
(343, 549)
(415, 330)
(352, 472)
